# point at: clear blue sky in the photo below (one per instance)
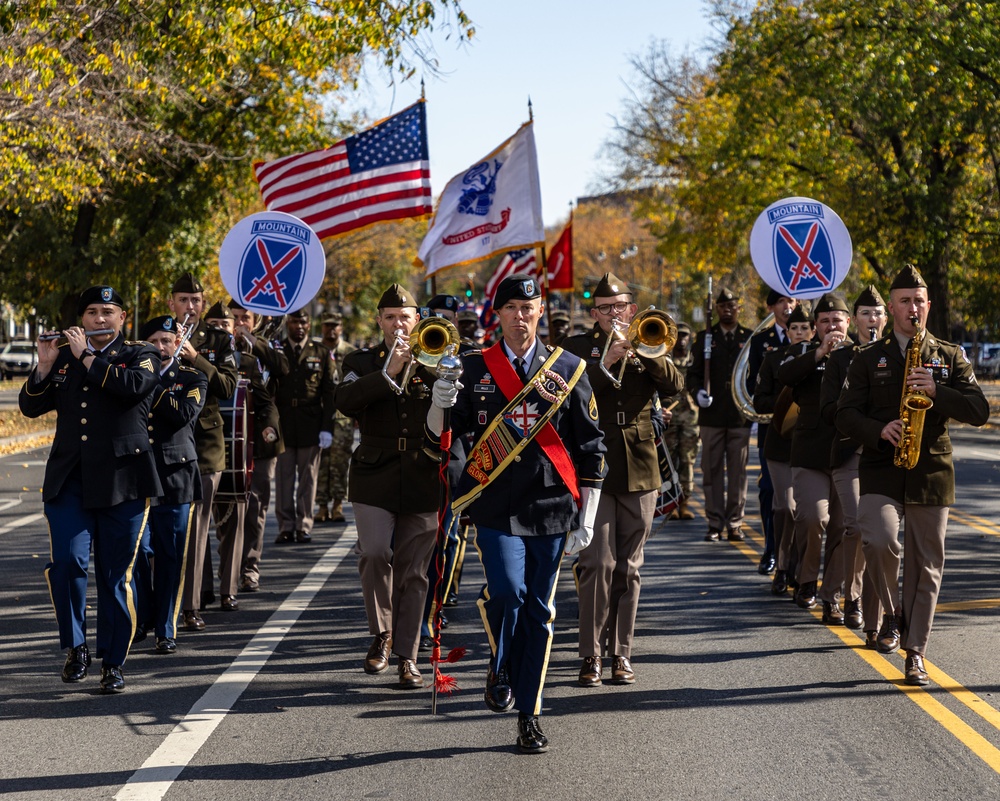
(571, 58)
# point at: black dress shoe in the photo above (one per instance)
(166, 645)
(888, 635)
(229, 603)
(77, 662)
(426, 644)
(805, 595)
(530, 739)
(377, 658)
(779, 584)
(112, 680)
(193, 621)
(303, 536)
(141, 632)
(451, 600)
(284, 537)
(853, 616)
(915, 673)
(832, 614)
(443, 620)
(621, 671)
(590, 672)
(409, 676)
(499, 696)
(766, 565)
(714, 535)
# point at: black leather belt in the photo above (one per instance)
(393, 443)
(305, 402)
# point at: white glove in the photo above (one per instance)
(325, 440)
(445, 393)
(579, 538)
(704, 399)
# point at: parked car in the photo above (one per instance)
(17, 358)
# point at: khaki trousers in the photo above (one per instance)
(201, 520)
(608, 572)
(857, 581)
(394, 552)
(818, 512)
(783, 508)
(294, 505)
(924, 529)
(230, 536)
(724, 452)
(253, 532)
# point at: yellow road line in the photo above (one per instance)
(978, 523)
(965, 606)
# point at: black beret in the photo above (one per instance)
(611, 285)
(799, 315)
(726, 296)
(908, 278)
(519, 286)
(449, 302)
(396, 297)
(219, 312)
(157, 324)
(187, 283)
(98, 294)
(830, 303)
(869, 297)
(774, 296)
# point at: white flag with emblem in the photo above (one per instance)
(494, 206)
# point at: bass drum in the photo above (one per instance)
(670, 494)
(237, 416)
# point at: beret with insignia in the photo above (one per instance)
(99, 295)
(157, 324)
(611, 285)
(908, 278)
(519, 286)
(449, 302)
(396, 297)
(869, 297)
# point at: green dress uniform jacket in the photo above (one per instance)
(393, 467)
(871, 398)
(304, 396)
(829, 393)
(723, 412)
(217, 361)
(626, 414)
(265, 413)
(812, 435)
(776, 447)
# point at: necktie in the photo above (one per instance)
(298, 351)
(782, 339)
(519, 369)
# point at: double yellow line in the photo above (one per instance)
(952, 723)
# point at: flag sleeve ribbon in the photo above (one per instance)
(497, 448)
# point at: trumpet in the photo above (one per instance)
(100, 332)
(428, 342)
(650, 334)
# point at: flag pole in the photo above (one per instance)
(545, 285)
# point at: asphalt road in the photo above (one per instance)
(739, 694)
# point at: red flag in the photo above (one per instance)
(380, 174)
(560, 261)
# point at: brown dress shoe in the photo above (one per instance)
(915, 673)
(409, 676)
(805, 595)
(832, 614)
(590, 673)
(193, 621)
(735, 535)
(853, 616)
(871, 639)
(229, 603)
(888, 635)
(377, 659)
(621, 671)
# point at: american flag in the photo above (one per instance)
(514, 261)
(379, 174)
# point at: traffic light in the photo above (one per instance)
(469, 288)
(588, 288)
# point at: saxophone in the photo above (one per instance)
(913, 405)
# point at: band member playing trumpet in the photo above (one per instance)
(98, 478)
(393, 485)
(878, 382)
(609, 567)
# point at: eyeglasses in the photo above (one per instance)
(607, 308)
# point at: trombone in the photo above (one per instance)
(650, 334)
(429, 340)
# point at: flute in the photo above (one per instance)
(100, 332)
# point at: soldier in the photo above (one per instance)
(334, 461)
(269, 363)
(725, 435)
(869, 409)
(521, 486)
(775, 337)
(861, 602)
(681, 416)
(393, 486)
(209, 351)
(177, 402)
(98, 478)
(818, 511)
(304, 398)
(560, 327)
(468, 327)
(609, 566)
